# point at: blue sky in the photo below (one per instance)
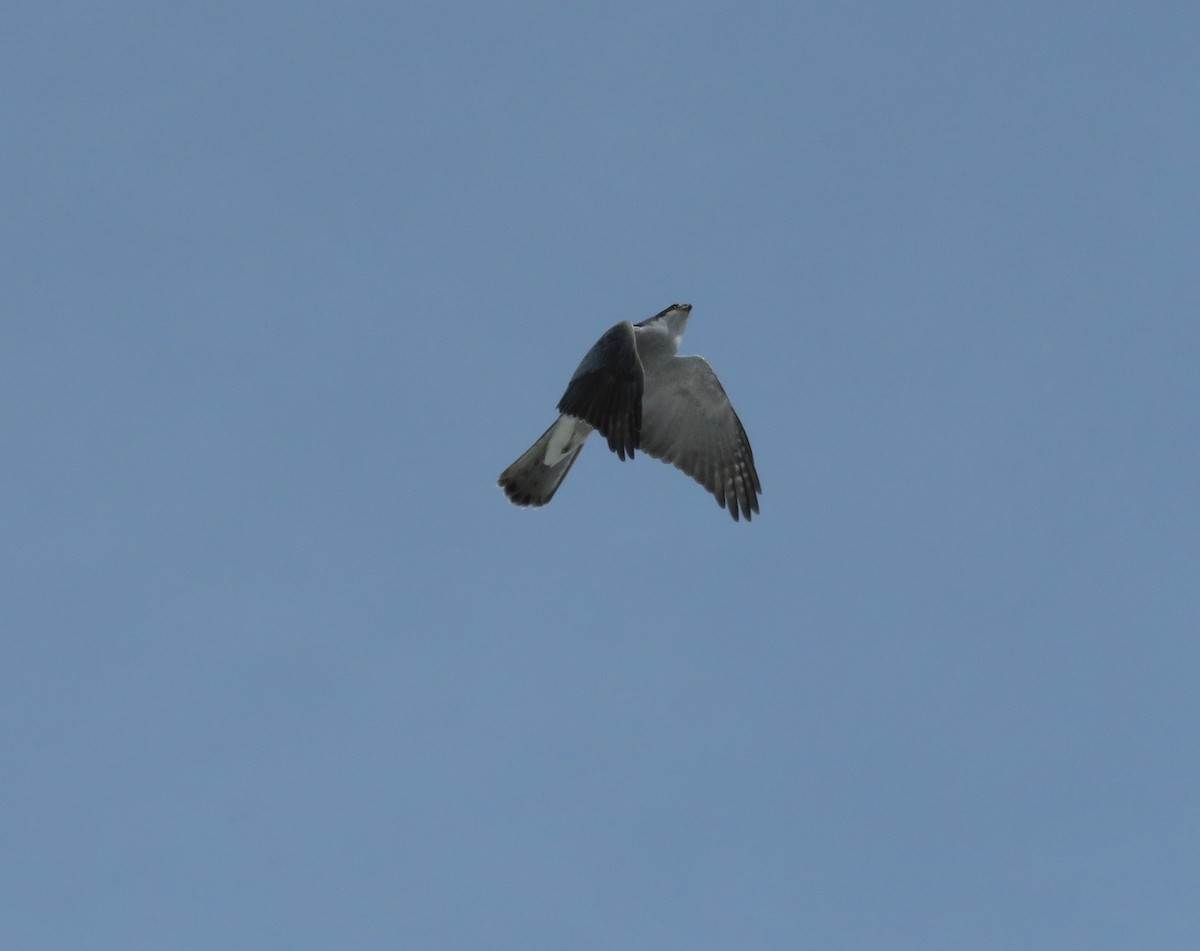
(285, 286)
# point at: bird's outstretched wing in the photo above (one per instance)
(688, 421)
(606, 390)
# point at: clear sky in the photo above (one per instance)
(284, 287)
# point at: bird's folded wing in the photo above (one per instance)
(606, 390)
(688, 421)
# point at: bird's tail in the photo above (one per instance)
(535, 476)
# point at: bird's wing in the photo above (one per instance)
(688, 421)
(606, 390)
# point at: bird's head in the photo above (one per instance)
(676, 318)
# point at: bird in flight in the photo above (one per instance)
(638, 394)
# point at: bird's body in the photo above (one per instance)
(634, 389)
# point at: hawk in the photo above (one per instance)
(635, 390)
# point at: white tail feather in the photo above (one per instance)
(535, 476)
